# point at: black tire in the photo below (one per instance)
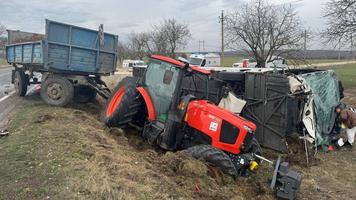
(21, 82)
(128, 107)
(84, 94)
(215, 157)
(57, 90)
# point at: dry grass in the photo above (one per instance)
(85, 160)
(66, 153)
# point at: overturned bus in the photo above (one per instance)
(281, 102)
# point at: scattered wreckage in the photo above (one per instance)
(281, 102)
(175, 104)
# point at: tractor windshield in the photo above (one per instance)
(160, 81)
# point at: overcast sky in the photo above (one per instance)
(125, 16)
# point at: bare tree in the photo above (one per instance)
(3, 40)
(175, 34)
(159, 44)
(341, 15)
(264, 30)
(2, 29)
(139, 44)
(124, 52)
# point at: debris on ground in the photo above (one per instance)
(82, 159)
(4, 133)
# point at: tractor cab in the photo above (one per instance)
(160, 81)
(173, 112)
(163, 79)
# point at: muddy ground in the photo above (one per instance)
(66, 153)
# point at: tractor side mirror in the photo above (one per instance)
(167, 78)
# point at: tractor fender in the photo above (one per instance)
(148, 102)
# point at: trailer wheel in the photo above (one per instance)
(57, 91)
(84, 94)
(21, 82)
(123, 104)
(215, 157)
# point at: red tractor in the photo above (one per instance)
(174, 119)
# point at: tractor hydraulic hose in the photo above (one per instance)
(263, 158)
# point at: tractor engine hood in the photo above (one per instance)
(226, 129)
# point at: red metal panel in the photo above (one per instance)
(207, 118)
(180, 64)
(149, 103)
(115, 101)
(15, 37)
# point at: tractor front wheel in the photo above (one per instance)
(214, 157)
(123, 105)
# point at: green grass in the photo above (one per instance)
(3, 61)
(319, 61)
(36, 155)
(229, 60)
(347, 74)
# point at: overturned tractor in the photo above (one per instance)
(173, 118)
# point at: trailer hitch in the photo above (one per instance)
(285, 182)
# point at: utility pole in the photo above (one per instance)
(222, 19)
(305, 45)
(352, 48)
(199, 45)
(339, 57)
(203, 45)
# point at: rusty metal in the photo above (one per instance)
(21, 37)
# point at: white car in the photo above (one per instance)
(277, 62)
(133, 63)
(205, 60)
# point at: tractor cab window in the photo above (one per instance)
(160, 81)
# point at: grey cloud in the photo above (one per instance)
(124, 16)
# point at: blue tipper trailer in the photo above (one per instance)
(71, 60)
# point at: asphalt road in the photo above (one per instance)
(8, 98)
(5, 82)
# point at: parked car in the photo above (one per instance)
(205, 60)
(277, 62)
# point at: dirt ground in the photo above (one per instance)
(67, 153)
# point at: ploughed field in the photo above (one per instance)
(67, 153)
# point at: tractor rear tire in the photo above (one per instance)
(57, 90)
(123, 104)
(215, 157)
(21, 82)
(84, 94)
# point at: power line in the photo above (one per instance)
(203, 44)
